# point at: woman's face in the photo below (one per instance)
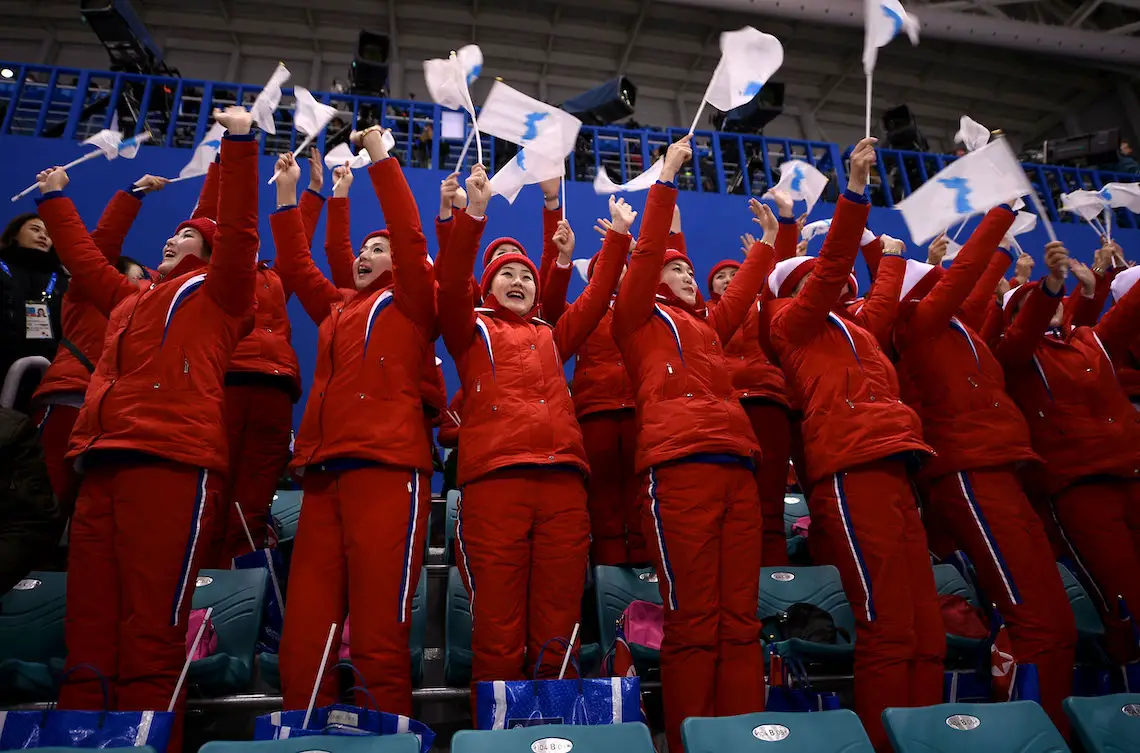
(33, 234)
(679, 277)
(186, 242)
(135, 273)
(374, 260)
(514, 287)
(721, 280)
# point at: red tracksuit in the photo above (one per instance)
(364, 452)
(864, 518)
(1088, 433)
(523, 529)
(60, 394)
(701, 509)
(152, 428)
(972, 492)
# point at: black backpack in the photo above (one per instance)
(806, 622)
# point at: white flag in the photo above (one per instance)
(1088, 204)
(970, 185)
(266, 103)
(801, 181)
(512, 116)
(884, 20)
(449, 81)
(128, 148)
(107, 141)
(748, 58)
(812, 229)
(1023, 223)
(1119, 195)
(310, 116)
(603, 186)
(205, 153)
(527, 167)
(972, 134)
(582, 267)
(341, 153)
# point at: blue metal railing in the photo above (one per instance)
(72, 103)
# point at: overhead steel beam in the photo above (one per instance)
(1059, 115)
(1126, 28)
(396, 66)
(633, 32)
(952, 25)
(1081, 14)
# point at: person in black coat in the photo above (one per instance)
(30, 523)
(32, 284)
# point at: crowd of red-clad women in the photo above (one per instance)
(1004, 412)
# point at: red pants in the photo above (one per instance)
(258, 423)
(612, 492)
(770, 423)
(521, 544)
(359, 549)
(864, 522)
(799, 460)
(136, 541)
(990, 519)
(55, 423)
(1106, 549)
(702, 522)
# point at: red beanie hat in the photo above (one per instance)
(206, 227)
(499, 242)
(673, 255)
(725, 264)
(497, 264)
(1014, 298)
(788, 273)
(376, 234)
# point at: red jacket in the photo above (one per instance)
(685, 399)
(365, 400)
(601, 381)
(948, 374)
(836, 370)
(516, 407)
(1127, 368)
(82, 323)
(1080, 420)
(158, 387)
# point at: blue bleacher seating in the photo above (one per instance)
(286, 513)
(616, 587)
(31, 637)
(780, 587)
(836, 731)
(1018, 726)
(323, 744)
(238, 599)
(1108, 724)
(631, 737)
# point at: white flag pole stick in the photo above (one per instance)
(478, 141)
(960, 229)
(182, 177)
(463, 154)
(320, 674)
(245, 527)
(1043, 215)
(304, 144)
(1108, 223)
(705, 98)
(867, 118)
(700, 109)
(268, 558)
(190, 653)
(569, 650)
(564, 194)
(68, 166)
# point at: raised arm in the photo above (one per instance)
(551, 215)
(232, 277)
(414, 278)
(975, 310)
(872, 247)
(882, 304)
(740, 296)
(1117, 328)
(637, 296)
(294, 260)
(312, 202)
(456, 307)
(207, 205)
(338, 240)
(556, 278)
(1025, 333)
(582, 317)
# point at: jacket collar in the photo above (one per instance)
(492, 306)
(666, 296)
(188, 264)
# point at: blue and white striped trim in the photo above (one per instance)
(409, 548)
(838, 322)
(43, 421)
(672, 325)
(187, 574)
(499, 707)
(382, 302)
(1044, 380)
(184, 291)
(960, 328)
(868, 602)
(988, 537)
(1104, 350)
(142, 734)
(464, 562)
(485, 335)
(659, 530)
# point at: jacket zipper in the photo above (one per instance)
(118, 366)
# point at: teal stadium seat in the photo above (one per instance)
(631, 737)
(1090, 628)
(31, 637)
(795, 507)
(135, 749)
(322, 744)
(238, 599)
(825, 732)
(1015, 727)
(960, 650)
(780, 587)
(616, 588)
(449, 525)
(286, 512)
(1108, 724)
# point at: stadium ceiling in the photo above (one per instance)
(1021, 65)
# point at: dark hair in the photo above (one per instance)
(124, 264)
(13, 228)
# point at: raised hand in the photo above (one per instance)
(342, 181)
(478, 191)
(1024, 267)
(895, 247)
(621, 215)
(551, 190)
(1003, 287)
(801, 248)
(52, 179)
(784, 203)
(679, 153)
(937, 251)
(316, 170)
(747, 241)
(447, 191)
(762, 216)
(563, 240)
(602, 226)
(149, 183)
(372, 139)
(1057, 260)
(862, 159)
(236, 119)
(1082, 272)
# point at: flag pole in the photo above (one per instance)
(308, 140)
(1108, 223)
(68, 166)
(1041, 213)
(867, 118)
(563, 193)
(182, 177)
(700, 109)
(463, 154)
(320, 675)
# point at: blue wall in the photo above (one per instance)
(713, 223)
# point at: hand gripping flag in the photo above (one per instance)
(801, 181)
(748, 58)
(107, 143)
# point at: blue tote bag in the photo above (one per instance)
(273, 617)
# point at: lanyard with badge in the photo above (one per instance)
(37, 316)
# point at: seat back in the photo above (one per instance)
(31, 619)
(1107, 724)
(457, 632)
(449, 525)
(1089, 624)
(286, 512)
(951, 583)
(795, 507)
(823, 732)
(631, 737)
(324, 744)
(238, 599)
(780, 587)
(1020, 726)
(418, 635)
(615, 588)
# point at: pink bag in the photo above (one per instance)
(343, 653)
(209, 643)
(801, 526)
(644, 624)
